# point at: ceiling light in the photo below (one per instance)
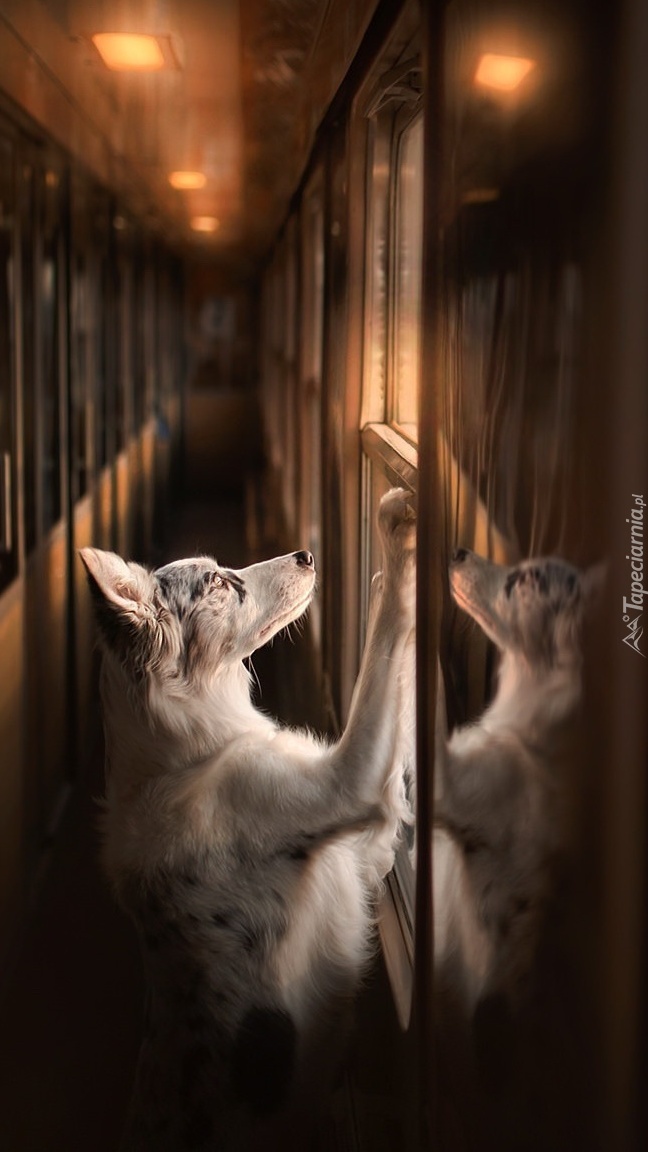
(204, 223)
(187, 180)
(127, 52)
(503, 73)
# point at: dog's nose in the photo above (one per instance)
(305, 559)
(459, 555)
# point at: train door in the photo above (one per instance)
(45, 431)
(310, 372)
(11, 610)
(339, 508)
(126, 461)
(146, 366)
(106, 432)
(89, 509)
(167, 337)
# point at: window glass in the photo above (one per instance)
(142, 308)
(104, 390)
(390, 373)
(8, 543)
(374, 398)
(82, 348)
(49, 298)
(392, 320)
(517, 190)
(29, 334)
(123, 381)
(289, 374)
(407, 275)
(312, 317)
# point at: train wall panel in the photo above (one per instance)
(123, 504)
(135, 489)
(103, 509)
(86, 710)
(147, 490)
(77, 405)
(12, 783)
(51, 661)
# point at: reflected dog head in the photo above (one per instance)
(535, 609)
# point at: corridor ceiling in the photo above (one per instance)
(251, 82)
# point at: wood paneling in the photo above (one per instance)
(11, 764)
(103, 510)
(86, 711)
(123, 504)
(51, 661)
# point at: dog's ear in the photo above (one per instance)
(122, 595)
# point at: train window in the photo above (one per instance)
(103, 240)
(407, 276)
(388, 461)
(138, 336)
(289, 373)
(281, 369)
(310, 357)
(50, 288)
(394, 248)
(8, 542)
(124, 336)
(143, 304)
(390, 108)
(168, 338)
(29, 329)
(270, 394)
(83, 344)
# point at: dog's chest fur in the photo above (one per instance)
(241, 947)
(212, 1010)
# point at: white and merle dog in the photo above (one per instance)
(247, 854)
(505, 782)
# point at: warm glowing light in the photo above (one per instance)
(186, 180)
(126, 52)
(480, 196)
(204, 223)
(503, 73)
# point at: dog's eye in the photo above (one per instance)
(217, 581)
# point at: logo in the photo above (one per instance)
(633, 604)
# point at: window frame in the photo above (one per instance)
(388, 450)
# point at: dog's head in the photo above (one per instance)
(535, 609)
(192, 618)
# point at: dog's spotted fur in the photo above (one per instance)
(248, 855)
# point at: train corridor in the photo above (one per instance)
(266, 263)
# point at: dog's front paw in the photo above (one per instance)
(397, 526)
